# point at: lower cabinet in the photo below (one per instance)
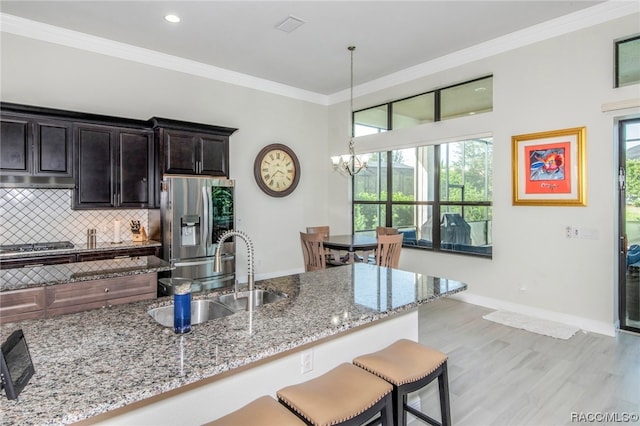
(49, 301)
(76, 297)
(18, 305)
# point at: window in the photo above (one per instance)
(471, 97)
(627, 61)
(408, 188)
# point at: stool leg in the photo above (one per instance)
(387, 411)
(443, 385)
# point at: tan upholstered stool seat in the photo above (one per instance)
(410, 366)
(264, 411)
(402, 362)
(337, 396)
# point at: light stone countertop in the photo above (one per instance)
(101, 360)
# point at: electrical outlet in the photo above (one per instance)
(306, 361)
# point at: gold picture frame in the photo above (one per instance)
(549, 168)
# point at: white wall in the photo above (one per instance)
(554, 84)
(50, 75)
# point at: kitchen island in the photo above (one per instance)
(122, 367)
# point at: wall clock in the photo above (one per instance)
(277, 170)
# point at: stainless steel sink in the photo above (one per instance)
(201, 311)
(240, 301)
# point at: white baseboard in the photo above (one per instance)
(584, 324)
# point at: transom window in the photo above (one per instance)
(468, 98)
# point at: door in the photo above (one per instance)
(135, 168)
(95, 160)
(180, 152)
(214, 155)
(53, 148)
(629, 224)
(15, 146)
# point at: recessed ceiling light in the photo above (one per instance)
(172, 18)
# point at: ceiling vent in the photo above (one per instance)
(290, 24)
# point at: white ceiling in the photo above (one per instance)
(240, 36)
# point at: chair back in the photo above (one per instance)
(383, 230)
(324, 230)
(313, 251)
(388, 250)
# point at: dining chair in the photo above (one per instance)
(388, 250)
(384, 230)
(333, 258)
(313, 251)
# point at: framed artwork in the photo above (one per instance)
(549, 168)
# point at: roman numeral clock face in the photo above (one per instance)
(277, 170)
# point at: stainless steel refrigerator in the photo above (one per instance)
(194, 212)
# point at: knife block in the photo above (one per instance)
(140, 236)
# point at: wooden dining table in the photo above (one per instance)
(351, 243)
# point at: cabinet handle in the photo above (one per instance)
(106, 290)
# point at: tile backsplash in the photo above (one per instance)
(41, 215)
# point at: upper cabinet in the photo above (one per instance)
(114, 167)
(110, 162)
(192, 148)
(35, 148)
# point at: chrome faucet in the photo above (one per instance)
(217, 266)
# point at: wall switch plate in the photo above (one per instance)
(306, 361)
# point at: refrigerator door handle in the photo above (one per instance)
(206, 204)
(201, 262)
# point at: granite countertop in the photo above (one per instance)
(38, 276)
(96, 361)
(82, 248)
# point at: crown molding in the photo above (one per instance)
(585, 18)
(52, 34)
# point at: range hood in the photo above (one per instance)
(36, 182)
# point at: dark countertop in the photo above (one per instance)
(38, 276)
(96, 361)
(82, 248)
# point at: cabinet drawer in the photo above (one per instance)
(22, 304)
(36, 261)
(115, 254)
(95, 294)
(71, 309)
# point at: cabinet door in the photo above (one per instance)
(23, 304)
(214, 156)
(135, 169)
(53, 148)
(15, 146)
(180, 152)
(95, 150)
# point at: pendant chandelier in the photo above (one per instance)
(350, 164)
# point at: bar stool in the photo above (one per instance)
(345, 396)
(410, 366)
(264, 411)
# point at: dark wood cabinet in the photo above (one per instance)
(35, 146)
(192, 148)
(37, 261)
(118, 254)
(114, 167)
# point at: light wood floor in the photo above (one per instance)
(499, 375)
